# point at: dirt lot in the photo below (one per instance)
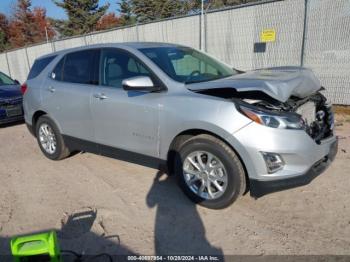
(132, 209)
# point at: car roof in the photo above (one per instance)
(133, 45)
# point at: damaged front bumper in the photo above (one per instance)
(261, 188)
(303, 158)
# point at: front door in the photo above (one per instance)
(123, 119)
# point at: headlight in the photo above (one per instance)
(272, 119)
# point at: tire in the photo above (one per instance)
(61, 151)
(228, 170)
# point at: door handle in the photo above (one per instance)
(51, 89)
(100, 96)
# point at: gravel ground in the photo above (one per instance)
(98, 204)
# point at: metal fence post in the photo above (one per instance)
(200, 32)
(27, 58)
(202, 25)
(53, 48)
(137, 32)
(205, 31)
(84, 38)
(8, 65)
(306, 5)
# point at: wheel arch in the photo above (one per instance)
(40, 113)
(183, 136)
(35, 119)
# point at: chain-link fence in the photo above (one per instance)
(310, 33)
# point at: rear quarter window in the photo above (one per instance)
(79, 67)
(39, 65)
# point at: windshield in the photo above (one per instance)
(5, 80)
(187, 65)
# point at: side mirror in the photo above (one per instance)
(138, 83)
(16, 82)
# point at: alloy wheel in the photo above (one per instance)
(205, 175)
(47, 138)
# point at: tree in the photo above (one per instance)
(108, 21)
(58, 25)
(20, 27)
(132, 11)
(126, 13)
(4, 44)
(83, 15)
(27, 26)
(150, 10)
(171, 8)
(215, 4)
(42, 25)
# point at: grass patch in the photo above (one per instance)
(342, 113)
(341, 110)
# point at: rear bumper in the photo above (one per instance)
(260, 188)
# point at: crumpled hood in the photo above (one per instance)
(279, 82)
(9, 91)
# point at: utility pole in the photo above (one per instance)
(205, 28)
(306, 6)
(202, 25)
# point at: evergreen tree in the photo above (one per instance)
(215, 4)
(144, 10)
(4, 44)
(126, 13)
(150, 10)
(83, 15)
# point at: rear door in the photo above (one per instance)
(67, 92)
(122, 119)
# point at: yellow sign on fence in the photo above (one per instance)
(268, 35)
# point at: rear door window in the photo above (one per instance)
(39, 65)
(78, 67)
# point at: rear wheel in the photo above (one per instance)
(209, 171)
(50, 140)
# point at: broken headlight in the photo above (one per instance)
(281, 120)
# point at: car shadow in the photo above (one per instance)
(16, 123)
(179, 229)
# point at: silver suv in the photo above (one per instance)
(220, 130)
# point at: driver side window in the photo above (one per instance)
(117, 65)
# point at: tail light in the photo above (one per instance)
(24, 88)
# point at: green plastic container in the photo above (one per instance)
(38, 247)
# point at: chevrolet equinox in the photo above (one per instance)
(221, 131)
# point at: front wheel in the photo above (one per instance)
(209, 171)
(50, 140)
